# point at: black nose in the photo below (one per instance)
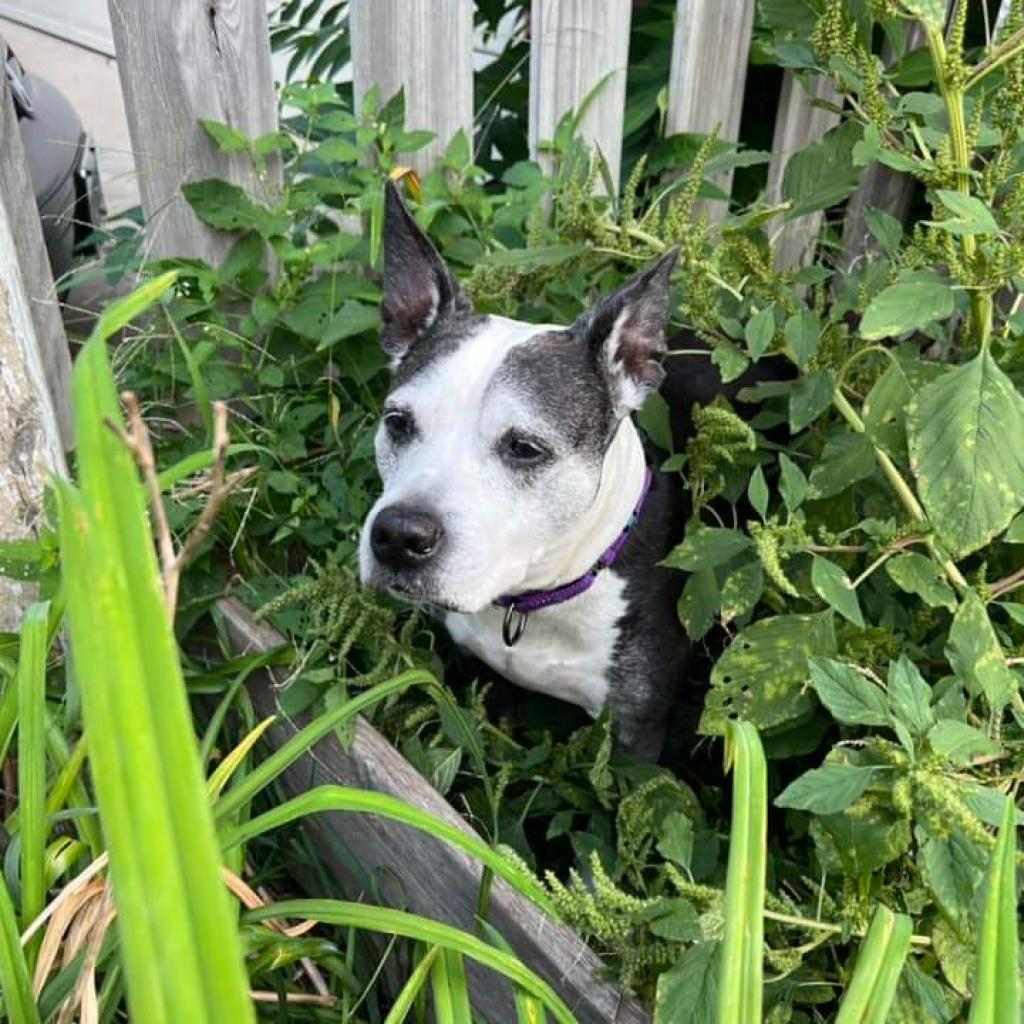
(405, 538)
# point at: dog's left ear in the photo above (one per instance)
(419, 289)
(626, 333)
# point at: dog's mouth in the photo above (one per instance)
(414, 591)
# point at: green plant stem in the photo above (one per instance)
(1005, 51)
(832, 929)
(953, 96)
(902, 489)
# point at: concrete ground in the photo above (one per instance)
(90, 82)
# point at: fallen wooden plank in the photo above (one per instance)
(417, 872)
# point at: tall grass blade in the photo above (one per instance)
(422, 929)
(441, 986)
(32, 765)
(343, 798)
(412, 988)
(997, 979)
(179, 939)
(872, 987)
(741, 983)
(288, 753)
(15, 983)
(458, 986)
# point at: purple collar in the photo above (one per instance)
(519, 606)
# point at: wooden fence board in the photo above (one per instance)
(798, 124)
(420, 873)
(30, 439)
(17, 196)
(181, 61)
(707, 79)
(574, 46)
(425, 46)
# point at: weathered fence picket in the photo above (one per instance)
(427, 49)
(578, 55)
(797, 124)
(708, 75)
(30, 437)
(18, 198)
(182, 61)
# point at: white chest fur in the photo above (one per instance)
(566, 651)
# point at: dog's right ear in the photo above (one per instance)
(419, 289)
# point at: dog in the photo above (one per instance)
(517, 497)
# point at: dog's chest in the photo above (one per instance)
(566, 651)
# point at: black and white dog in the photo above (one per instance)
(517, 496)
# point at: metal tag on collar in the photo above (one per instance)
(513, 626)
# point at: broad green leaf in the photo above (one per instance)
(887, 400)
(966, 435)
(655, 419)
(740, 994)
(976, 656)
(676, 842)
(537, 257)
(741, 591)
(674, 919)
(872, 987)
(822, 174)
(920, 575)
(887, 230)
(698, 603)
(792, 483)
(803, 331)
(757, 492)
(731, 362)
(970, 215)
(905, 307)
(850, 697)
(1015, 531)
(833, 586)
(826, 790)
(759, 331)
(762, 674)
(228, 139)
(180, 945)
(706, 547)
(847, 458)
(909, 696)
(997, 978)
(931, 13)
(810, 396)
(952, 867)
(959, 742)
(229, 208)
(689, 990)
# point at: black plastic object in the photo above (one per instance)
(62, 164)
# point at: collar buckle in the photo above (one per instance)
(513, 626)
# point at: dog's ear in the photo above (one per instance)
(626, 333)
(419, 289)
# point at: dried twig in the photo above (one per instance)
(136, 439)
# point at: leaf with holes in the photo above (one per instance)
(966, 435)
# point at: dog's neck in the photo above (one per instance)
(622, 480)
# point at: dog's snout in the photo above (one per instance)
(404, 538)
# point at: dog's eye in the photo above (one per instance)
(400, 425)
(520, 450)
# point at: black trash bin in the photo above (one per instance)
(62, 164)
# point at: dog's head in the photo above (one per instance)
(493, 438)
